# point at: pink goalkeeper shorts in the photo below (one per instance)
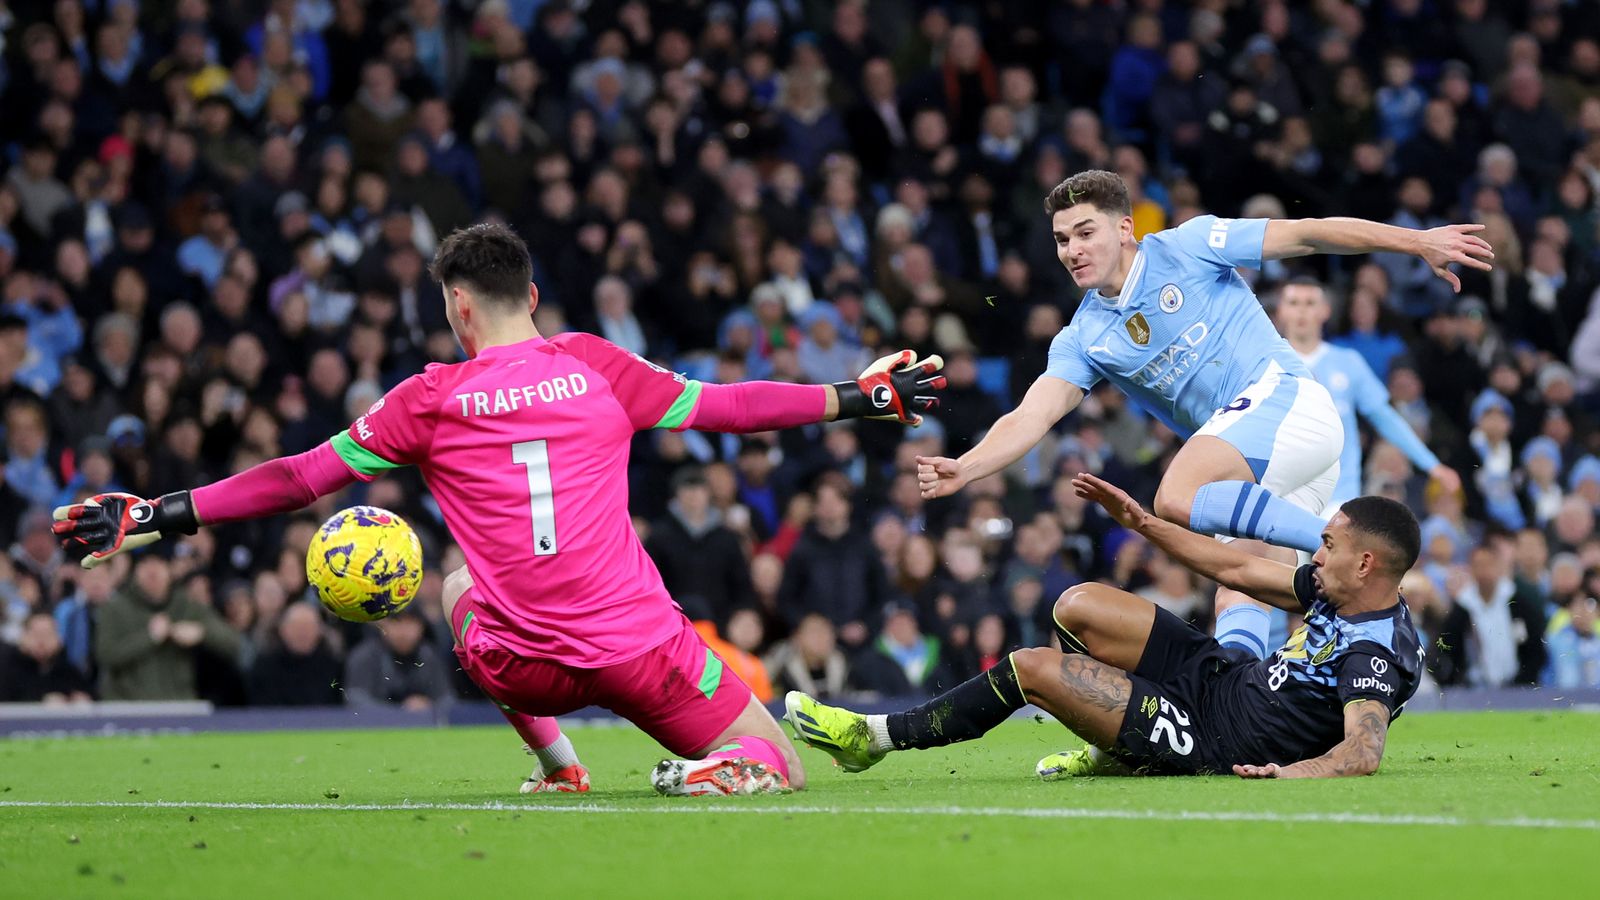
(678, 692)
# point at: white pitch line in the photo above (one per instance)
(1143, 815)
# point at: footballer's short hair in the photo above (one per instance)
(1392, 524)
(1105, 191)
(489, 260)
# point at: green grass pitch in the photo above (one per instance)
(1467, 805)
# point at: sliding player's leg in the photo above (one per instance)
(559, 769)
(1163, 656)
(1102, 622)
(1086, 695)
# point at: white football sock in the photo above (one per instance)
(879, 726)
(557, 756)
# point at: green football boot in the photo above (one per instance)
(839, 733)
(1077, 764)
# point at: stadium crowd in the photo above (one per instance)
(215, 220)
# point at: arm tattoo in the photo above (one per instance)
(1360, 751)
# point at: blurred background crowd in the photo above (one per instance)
(215, 217)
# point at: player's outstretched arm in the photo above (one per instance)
(107, 524)
(896, 388)
(1263, 579)
(1438, 247)
(1366, 728)
(1008, 439)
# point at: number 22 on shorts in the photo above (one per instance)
(1177, 735)
(535, 457)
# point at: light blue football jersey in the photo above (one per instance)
(1356, 390)
(1187, 335)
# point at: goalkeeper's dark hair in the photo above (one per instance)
(491, 261)
(1105, 191)
(1392, 524)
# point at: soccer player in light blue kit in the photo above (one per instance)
(1172, 324)
(1300, 315)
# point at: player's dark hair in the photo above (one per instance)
(489, 260)
(1105, 191)
(1391, 523)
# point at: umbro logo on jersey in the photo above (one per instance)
(1138, 329)
(1322, 655)
(1171, 298)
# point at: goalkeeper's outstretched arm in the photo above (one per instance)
(108, 524)
(898, 388)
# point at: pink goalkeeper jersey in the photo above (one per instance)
(526, 450)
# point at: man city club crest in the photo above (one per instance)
(1171, 298)
(1139, 329)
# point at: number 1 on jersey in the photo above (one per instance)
(535, 457)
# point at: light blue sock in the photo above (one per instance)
(1245, 626)
(1248, 510)
(1279, 635)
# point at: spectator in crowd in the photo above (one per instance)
(37, 670)
(27, 467)
(87, 591)
(698, 556)
(302, 670)
(834, 572)
(393, 666)
(1575, 646)
(1507, 627)
(1173, 589)
(903, 661)
(1429, 613)
(1574, 640)
(810, 660)
(150, 635)
(1541, 492)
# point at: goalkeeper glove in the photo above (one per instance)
(893, 388)
(107, 524)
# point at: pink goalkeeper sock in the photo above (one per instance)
(538, 732)
(753, 748)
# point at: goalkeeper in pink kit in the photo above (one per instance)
(525, 448)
